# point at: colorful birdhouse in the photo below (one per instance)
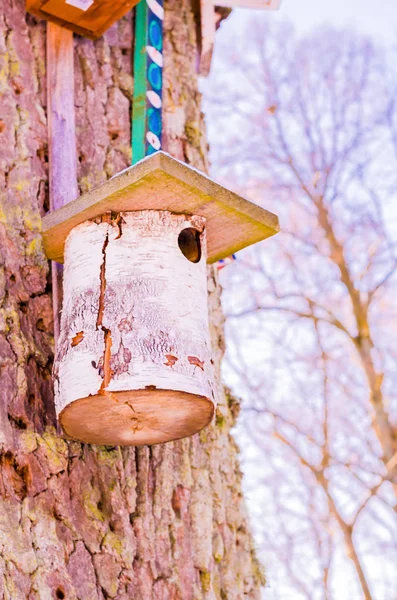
(90, 18)
(133, 363)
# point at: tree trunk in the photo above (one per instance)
(85, 522)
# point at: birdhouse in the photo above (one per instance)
(90, 18)
(133, 362)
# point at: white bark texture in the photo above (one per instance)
(135, 314)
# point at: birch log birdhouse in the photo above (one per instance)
(133, 363)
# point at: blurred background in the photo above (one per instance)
(301, 110)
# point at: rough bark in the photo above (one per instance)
(92, 522)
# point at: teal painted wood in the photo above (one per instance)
(148, 79)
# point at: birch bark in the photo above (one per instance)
(134, 330)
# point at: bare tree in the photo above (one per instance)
(309, 131)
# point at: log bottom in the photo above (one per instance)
(136, 418)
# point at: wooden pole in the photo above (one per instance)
(61, 136)
(148, 79)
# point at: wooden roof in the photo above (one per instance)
(159, 182)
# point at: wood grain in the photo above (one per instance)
(61, 137)
(157, 416)
(61, 117)
(160, 182)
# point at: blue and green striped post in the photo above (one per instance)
(148, 79)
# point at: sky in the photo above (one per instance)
(377, 18)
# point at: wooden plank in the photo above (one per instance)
(91, 23)
(61, 118)
(210, 15)
(256, 4)
(207, 35)
(160, 182)
(148, 79)
(61, 136)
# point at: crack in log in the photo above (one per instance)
(118, 220)
(107, 372)
(102, 288)
(113, 219)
